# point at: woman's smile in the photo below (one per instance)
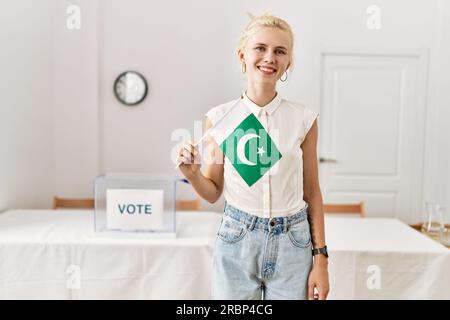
(267, 70)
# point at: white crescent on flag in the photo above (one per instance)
(240, 150)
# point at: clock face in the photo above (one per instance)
(130, 88)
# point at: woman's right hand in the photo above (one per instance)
(189, 157)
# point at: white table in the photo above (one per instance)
(49, 254)
(380, 258)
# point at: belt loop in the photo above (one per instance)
(285, 224)
(269, 227)
(252, 224)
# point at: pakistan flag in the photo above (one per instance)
(250, 149)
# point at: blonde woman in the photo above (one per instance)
(271, 241)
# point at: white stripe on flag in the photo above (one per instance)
(221, 129)
(228, 122)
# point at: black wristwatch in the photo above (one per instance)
(323, 251)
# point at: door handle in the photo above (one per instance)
(325, 160)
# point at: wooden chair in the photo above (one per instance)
(416, 226)
(188, 205)
(68, 203)
(358, 208)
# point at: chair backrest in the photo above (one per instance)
(188, 205)
(358, 208)
(68, 203)
(416, 226)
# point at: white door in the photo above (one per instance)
(372, 121)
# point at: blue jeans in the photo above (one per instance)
(257, 258)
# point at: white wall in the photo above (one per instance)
(186, 51)
(26, 108)
(76, 130)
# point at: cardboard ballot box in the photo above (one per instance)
(139, 205)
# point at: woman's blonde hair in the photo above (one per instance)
(266, 20)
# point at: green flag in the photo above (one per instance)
(251, 150)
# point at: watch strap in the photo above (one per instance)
(323, 251)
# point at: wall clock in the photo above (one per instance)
(130, 88)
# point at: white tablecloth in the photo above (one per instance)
(379, 258)
(49, 254)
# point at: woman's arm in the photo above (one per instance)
(313, 196)
(208, 185)
(311, 187)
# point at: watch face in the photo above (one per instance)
(130, 88)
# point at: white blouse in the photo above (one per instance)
(279, 192)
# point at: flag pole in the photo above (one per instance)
(207, 131)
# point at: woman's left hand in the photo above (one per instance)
(318, 279)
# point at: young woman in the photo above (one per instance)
(271, 240)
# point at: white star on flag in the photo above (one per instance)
(260, 151)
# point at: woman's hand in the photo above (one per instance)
(189, 157)
(318, 279)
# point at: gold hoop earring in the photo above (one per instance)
(244, 68)
(286, 77)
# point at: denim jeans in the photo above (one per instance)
(260, 258)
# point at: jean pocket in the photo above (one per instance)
(231, 231)
(300, 235)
